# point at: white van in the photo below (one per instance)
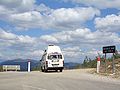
(52, 59)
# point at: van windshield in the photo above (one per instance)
(54, 57)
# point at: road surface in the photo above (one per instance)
(67, 80)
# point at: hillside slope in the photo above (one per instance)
(109, 67)
(22, 62)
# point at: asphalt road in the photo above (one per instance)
(67, 80)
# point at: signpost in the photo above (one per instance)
(98, 64)
(109, 49)
(28, 66)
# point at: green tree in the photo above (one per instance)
(1, 69)
(88, 63)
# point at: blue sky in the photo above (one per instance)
(80, 27)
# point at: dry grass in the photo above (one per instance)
(109, 69)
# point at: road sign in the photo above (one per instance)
(109, 49)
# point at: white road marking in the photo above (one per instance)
(38, 88)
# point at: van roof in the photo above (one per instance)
(53, 48)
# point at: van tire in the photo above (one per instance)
(60, 70)
(56, 70)
(45, 70)
(42, 69)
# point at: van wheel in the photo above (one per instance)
(45, 70)
(60, 70)
(42, 69)
(56, 70)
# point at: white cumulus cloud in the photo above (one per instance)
(47, 18)
(49, 39)
(110, 23)
(102, 4)
(85, 37)
(6, 35)
(14, 46)
(18, 5)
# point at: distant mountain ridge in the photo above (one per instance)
(22, 62)
(70, 65)
(34, 63)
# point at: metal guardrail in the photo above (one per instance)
(11, 67)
